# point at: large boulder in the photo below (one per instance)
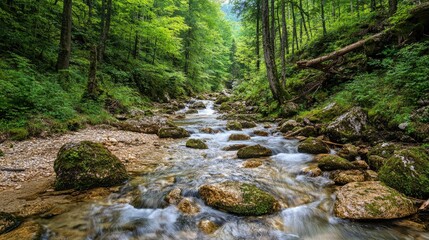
(255, 151)
(196, 143)
(173, 132)
(408, 172)
(313, 146)
(239, 198)
(87, 165)
(371, 200)
(330, 162)
(348, 127)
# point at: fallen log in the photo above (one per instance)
(336, 54)
(12, 169)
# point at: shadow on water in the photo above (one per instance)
(309, 200)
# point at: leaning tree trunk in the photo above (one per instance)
(270, 63)
(64, 53)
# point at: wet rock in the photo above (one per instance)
(207, 226)
(234, 147)
(191, 111)
(261, 133)
(313, 146)
(371, 200)
(238, 137)
(360, 164)
(252, 163)
(8, 222)
(196, 143)
(288, 126)
(198, 105)
(419, 227)
(239, 198)
(173, 132)
(408, 172)
(255, 151)
(87, 165)
(376, 162)
(333, 162)
(311, 171)
(209, 130)
(289, 109)
(349, 126)
(174, 196)
(347, 176)
(29, 231)
(247, 124)
(349, 152)
(188, 206)
(234, 125)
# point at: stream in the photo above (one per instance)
(139, 211)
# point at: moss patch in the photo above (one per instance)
(196, 143)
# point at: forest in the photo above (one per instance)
(214, 119)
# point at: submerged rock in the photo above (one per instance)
(252, 163)
(371, 200)
(234, 125)
(174, 196)
(173, 132)
(196, 143)
(408, 172)
(238, 198)
(331, 162)
(255, 151)
(188, 206)
(349, 126)
(209, 130)
(238, 137)
(313, 146)
(207, 226)
(87, 165)
(234, 147)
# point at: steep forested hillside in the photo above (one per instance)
(145, 50)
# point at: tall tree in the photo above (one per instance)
(106, 16)
(63, 61)
(284, 48)
(270, 62)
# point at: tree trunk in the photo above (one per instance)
(136, 46)
(284, 42)
(270, 63)
(90, 6)
(294, 31)
(273, 28)
(64, 53)
(258, 35)
(92, 91)
(393, 5)
(322, 9)
(106, 14)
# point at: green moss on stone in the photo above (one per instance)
(334, 162)
(234, 125)
(196, 143)
(254, 152)
(313, 146)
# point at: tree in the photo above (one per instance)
(64, 52)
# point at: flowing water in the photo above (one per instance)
(309, 200)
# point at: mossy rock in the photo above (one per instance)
(255, 151)
(331, 162)
(349, 152)
(288, 126)
(234, 125)
(349, 126)
(173, 132)
(375, 162)
(261, 133)
(247, 124)
(198, 105)
(8, 222)
(86, 165)
(408, 172)
(1, 153)
(313, 146)
(385, 150)
(307, 131)
(370, 201)
(191, 111)
(225, 107)
(238, 137)
(222, 99)
(342, 177)
(239, 198)
(196, 143)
